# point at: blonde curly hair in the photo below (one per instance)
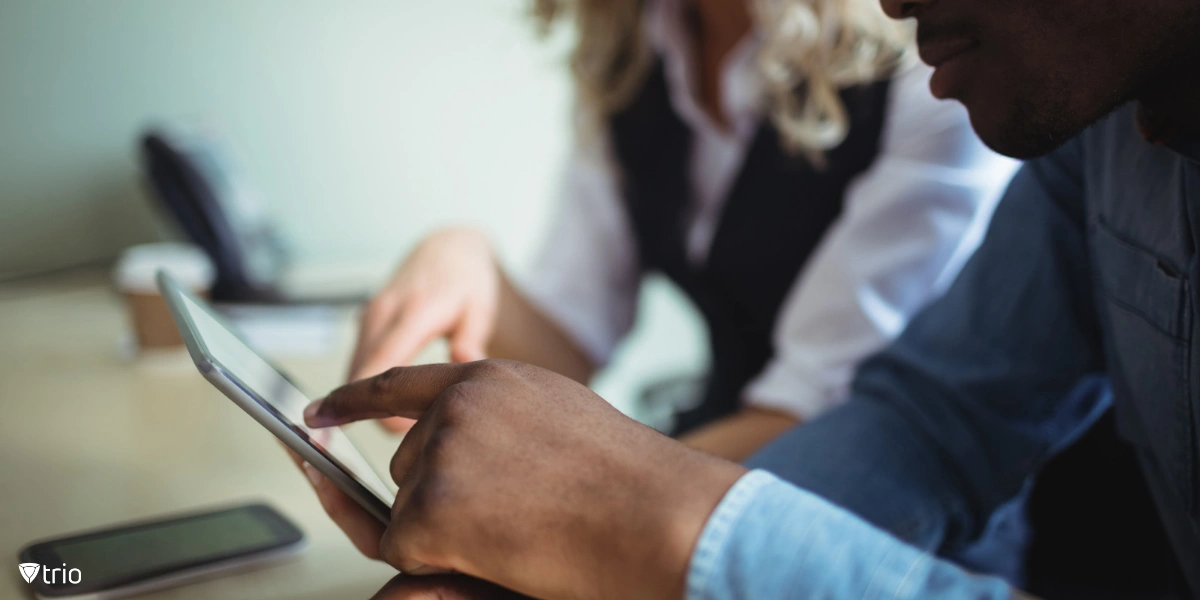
(812, 49)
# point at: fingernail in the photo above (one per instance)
(310, 414)
(314, 475)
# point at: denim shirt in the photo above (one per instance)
(1079, 298)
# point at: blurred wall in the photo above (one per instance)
(364, 122)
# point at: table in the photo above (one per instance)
(90, 438)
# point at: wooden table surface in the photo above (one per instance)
(89, 438)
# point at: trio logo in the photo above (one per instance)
(29, 572)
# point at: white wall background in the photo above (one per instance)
(364, 122)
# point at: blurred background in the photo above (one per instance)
(359, 143)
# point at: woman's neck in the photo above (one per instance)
(718, 26)
(721, 23)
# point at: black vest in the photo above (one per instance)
(777, 211)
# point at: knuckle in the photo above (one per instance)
(506, 372)
(458, 402)
(398, 468)
(404, 543)
(438, 451)
(429, 498)
(522, 370)
(390, 549)
(404, 465)
(493, 368)
(386, 381)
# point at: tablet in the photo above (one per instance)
(270, 397)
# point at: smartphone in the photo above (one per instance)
(150, 555)
(272, 399)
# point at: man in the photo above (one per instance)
(1081, 297)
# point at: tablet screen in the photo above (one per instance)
(267, 386)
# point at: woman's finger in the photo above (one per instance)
(414, 327)
(468, 341)
(376, 317)
(365, 352)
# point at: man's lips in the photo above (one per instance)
(951, 72)
(935, 53)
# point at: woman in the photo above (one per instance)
(782, 161)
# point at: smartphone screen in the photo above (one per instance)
(277, 394)
(123, 556)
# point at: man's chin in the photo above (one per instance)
(1023, 147)
(1020, 137)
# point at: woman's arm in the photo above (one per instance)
(452, 286)
(566, 315)
(907, 226)
(586, 277)
(569, 312)
(740, 435)
(524, 333)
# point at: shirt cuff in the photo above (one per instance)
(769, 539)
(706, 557)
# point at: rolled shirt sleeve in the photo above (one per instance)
(984, 386)
(908, 225)
(768, 539)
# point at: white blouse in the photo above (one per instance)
(908, 224)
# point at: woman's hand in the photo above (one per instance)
(525, 478)
(448, 287)
(741, 434)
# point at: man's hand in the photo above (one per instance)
(443, 587)
(527, 479)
